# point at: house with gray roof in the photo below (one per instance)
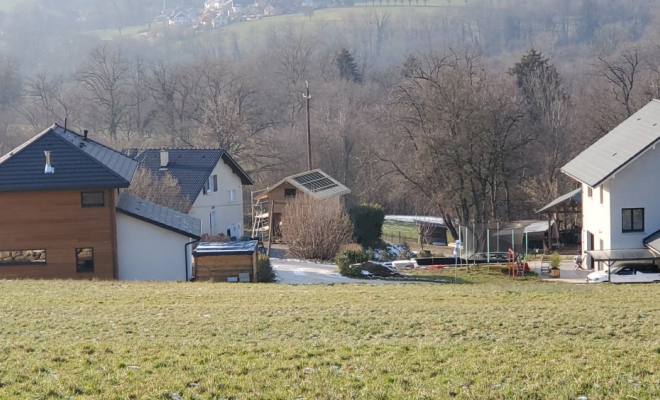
(621, 187)
(211, 184)
(62, 216)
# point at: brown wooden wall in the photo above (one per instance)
(277, 194)
(219, 268)
(56, 222)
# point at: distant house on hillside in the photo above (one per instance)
(62, 216)
(211, 184)
(180, 20)
(220, 20)
(213, 5)
(240, 6)
(621, 190)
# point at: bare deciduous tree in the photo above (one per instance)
(105, 77)
(315, 229)
(165, 190)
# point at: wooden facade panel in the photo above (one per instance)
(219, 268)
(55, 221)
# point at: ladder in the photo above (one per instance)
(260, 219)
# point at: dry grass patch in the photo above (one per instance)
(487, 340)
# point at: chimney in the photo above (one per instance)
(85, 133)
(164, 158)
(48, 169)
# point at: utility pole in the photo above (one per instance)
(307, 97)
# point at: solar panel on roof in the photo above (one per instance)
(312, 176)
(316, 181)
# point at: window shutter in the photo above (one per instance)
(204, 190)
(215, 183)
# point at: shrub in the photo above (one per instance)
(315, 229)
(265, 271)
(347, 258)
(555, 260)
(367, 224)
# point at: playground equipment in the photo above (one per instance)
(516, 264)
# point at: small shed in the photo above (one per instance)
(315, 184)
(226, 261)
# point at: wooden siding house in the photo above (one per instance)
(58, 193)
(59, 205)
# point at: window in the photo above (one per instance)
(85, 260)
(590, 192)
(92, 199)
(211, 185)
(289, 193)
(632, 220)
(232, 195)
(22, 257)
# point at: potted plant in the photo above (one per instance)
(555, 262)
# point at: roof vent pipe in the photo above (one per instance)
(48, 169)
(164, 157)
(85, 133)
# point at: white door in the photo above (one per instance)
(213, 224)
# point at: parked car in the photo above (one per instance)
(627, 273)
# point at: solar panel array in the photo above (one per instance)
(315, 181)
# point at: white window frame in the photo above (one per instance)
(232, 195)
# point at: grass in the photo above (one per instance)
(493, 338)
(392, 230)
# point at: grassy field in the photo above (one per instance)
(493, 338)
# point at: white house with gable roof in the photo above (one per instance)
(621, 188)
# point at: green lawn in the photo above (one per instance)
(494, 338)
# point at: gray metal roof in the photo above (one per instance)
(622, 255)
(575, 195)
(653, 242)
(191, 167)
(306, 182)
(225, 248)
(161, 216)
(78, 164)
(618, 148)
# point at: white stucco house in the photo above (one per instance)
(211, 184)
(180, 20)
(620, 182)
(154, 243)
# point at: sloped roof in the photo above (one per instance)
(653, 242)
(160, 216)
(618, 148)
(575, 195)
(78, 163)
(315, 183)
(191, 167)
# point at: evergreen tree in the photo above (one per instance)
(540, 83)
(348, 68)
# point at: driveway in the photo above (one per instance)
(296, 272)
(568, 273)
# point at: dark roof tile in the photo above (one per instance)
(158, 215)
(78, 164)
